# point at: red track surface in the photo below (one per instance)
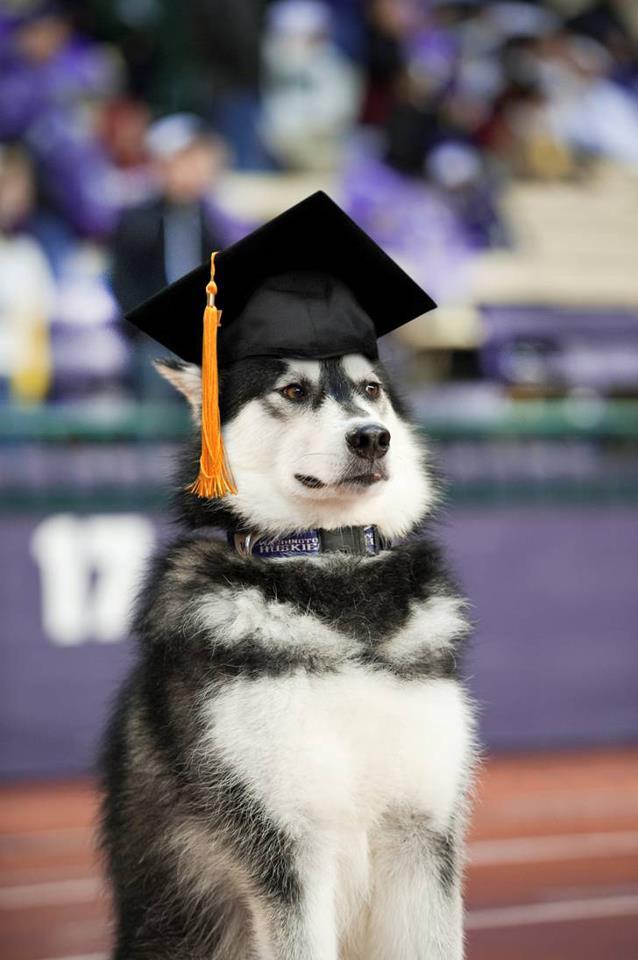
(553, 871)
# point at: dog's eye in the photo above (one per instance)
(373, 390)
(293, 391)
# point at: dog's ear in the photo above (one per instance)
(185, 377)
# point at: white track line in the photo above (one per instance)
(54, 836)
(518, 916)
(39, 832)
(52, 893)
(555, 912)
(482, 853)
(571, 846)
(83, 956)
(529, 914)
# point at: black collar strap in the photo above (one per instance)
(361, 541)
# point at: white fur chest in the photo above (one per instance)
(340, 748)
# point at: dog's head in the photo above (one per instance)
(320, 443)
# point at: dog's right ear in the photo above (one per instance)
(185, 377)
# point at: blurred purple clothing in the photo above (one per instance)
(40, 103)
(413, 222)
(433, 53)
(80, 71)
(74, 173)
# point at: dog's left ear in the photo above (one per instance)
(185, 377)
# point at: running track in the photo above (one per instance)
(552, 874)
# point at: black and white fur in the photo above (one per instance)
(287, 768)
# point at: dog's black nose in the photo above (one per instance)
(370, 441)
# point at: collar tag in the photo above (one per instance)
(364, 541)
(297, 544)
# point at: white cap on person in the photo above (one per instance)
(172, 134)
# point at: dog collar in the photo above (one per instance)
(361, 541)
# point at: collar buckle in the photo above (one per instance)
(243, 543)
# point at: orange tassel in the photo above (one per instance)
(214, 478)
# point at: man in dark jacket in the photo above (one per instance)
(163, 238)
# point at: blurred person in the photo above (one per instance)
(46, 65)
(614, 23)
(515, 131)
(227, 74)
(123, 129)
(387, 25)
(559, 105)
(139, 33)
(587, 110)
(446, 75)
(53, 84)
(520, 138)
(417, 121)
(493, 41)
(89, 351)
(26, 285)
(167, 235)
(458, 170)
(170, 233)
(202, 57)
(311, 89)
(78, 199)
(124, 126)
(413, 219)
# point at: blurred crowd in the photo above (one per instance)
(120, 120)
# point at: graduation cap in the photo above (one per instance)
(309, 284)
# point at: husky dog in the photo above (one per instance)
(287, 768)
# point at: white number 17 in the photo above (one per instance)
(90, 568)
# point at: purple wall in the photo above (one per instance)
(554, 660)
(554, 590)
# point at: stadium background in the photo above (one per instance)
(491, 148)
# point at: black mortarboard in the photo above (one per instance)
(309, 283)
